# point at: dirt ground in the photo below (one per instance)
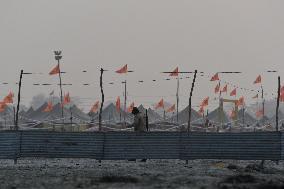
(85, 173)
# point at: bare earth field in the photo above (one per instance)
(85, 173)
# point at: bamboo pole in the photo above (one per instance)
(190, 99)
(103, 99)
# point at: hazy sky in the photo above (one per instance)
(150, 36)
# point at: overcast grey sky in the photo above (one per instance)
(150, 36)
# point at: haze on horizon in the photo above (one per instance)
(149, 36)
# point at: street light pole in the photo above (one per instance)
(58, 57)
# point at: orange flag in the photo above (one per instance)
(3, 105)
(95, 107)
(122, 70)
(259, 113)
(201, 110)
(215, 77)
(241, 101)
(205, 102)
(225, 89)
(234, 92)
(258, 80)
(67, 99)
(217, 88)
(49, 107)
(117, 104)
(160, 104)
(281, 97)
(171, 109)
(55, 70)
(9, 98)
(175, 72)
(130, 108)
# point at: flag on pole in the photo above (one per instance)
(49, 107)
(9, 98)
(171, 109)
(117, 104)
(234, 92)
(174, 73)
(130, 108)
(95, 107)
(55, 70)
(205, 102)
(122, 70)
(201, 110)
(217, 88)
(225, 89)
(241, 101)
(215, 77)
(67, 99)
(3, 105)
(258, 80)
(160, 104)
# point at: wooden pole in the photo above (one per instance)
(177, 99)
(103, 99)
(190, 99)
(277, 107)
(19, 100)
(125, 99)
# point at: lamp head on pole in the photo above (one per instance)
(58, 55)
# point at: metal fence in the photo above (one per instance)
(151, 145)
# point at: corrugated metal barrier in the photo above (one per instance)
(151, 145)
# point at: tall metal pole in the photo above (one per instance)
(277, 107)
(103, 99)
(190, 99)
(19, 100)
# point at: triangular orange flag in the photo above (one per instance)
(174, 73)
(117, 104)
(9, 98)
(205, 102)
(122, 70)
(49, 107)
(234, 92)
(55, 70)
(241, 101)
(95, 107)
(201, 110)
(225, 89)
(130, 108)
(217, 88)
(215, 77)
(160, 104)
(171, 109)
(67, 99)
(258, 80)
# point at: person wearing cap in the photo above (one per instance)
(139, 123)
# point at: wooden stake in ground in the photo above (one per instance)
(103, 99)
(277, 107)
(190, 97)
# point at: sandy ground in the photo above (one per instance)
(85, 173)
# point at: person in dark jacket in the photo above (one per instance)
(139, 123)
